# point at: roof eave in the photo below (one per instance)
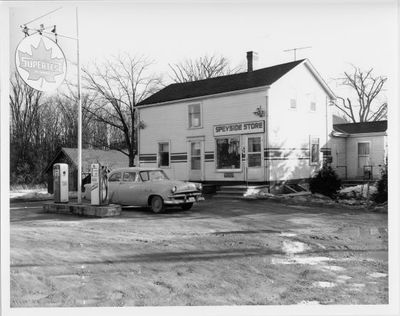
(319, 78)
(216, 95)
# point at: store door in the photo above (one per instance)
(254, 167)
(195, 160)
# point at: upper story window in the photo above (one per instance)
(194, 115)
(293, 103)
(313, 106)
(163, 154)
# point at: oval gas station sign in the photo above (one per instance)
(40, 63)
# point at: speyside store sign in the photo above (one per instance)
(239, 128)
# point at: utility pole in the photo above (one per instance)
(295, 50)
(79, 114)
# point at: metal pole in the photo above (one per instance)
(79, 114)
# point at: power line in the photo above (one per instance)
(42, 16)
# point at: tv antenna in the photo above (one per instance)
(295, 50)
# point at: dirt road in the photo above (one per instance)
(219, 253)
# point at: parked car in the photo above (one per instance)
(149, 187)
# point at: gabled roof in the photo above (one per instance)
(240, 81)
(111, 158)
(359, 128)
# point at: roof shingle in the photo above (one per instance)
(240, 81)
(364, 127)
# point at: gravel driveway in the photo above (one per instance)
(221, 252)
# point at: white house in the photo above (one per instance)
(261, 126)
(359, 150)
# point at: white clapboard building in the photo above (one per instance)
(260, 126)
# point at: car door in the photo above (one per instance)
(131, 190)
(113, 186)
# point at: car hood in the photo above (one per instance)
(180, 185)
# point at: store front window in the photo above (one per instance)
(228, 153)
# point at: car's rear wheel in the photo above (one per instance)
(157, 204)
(186, 206)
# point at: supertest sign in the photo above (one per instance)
(239, 128)
(40, 62)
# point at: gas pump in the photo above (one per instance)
(99, 185)
(60, 183)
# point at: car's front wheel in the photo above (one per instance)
(157, 204)
(186, 206)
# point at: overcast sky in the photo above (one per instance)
(339, 34)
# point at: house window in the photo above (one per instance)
(163, 154)
(293, 103)
(194, 115)
(314, 151)
(228, 153)
(313, 106)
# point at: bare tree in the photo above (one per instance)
(202, 68)
(25, 105)
(120, 84)
(364, 106)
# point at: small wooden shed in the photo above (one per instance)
(110, 158)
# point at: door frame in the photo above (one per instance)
(246, 164)
(190, 140)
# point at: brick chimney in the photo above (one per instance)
(250, 61)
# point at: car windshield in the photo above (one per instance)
(153, 175)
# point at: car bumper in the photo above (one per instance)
(183, 200)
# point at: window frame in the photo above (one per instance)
(123, 177)
(240, 169)
(189, 116)
(120, 176)
(169, 154)
(314, 140)
(199, 156)
(249, 153)
(365, 155)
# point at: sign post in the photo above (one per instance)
(79, 114)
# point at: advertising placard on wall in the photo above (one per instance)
(40, 62)
(239, 128)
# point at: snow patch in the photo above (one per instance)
(292, 247)
(343, 278)
(299, 260)
(324, 284)
(287, 234)
(377, 275)
(358, 190)
(308, 303)
(333, 268)
(358, 285)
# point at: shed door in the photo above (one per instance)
(254, 158)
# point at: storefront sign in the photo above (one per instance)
(239, 128)
(40, 62)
